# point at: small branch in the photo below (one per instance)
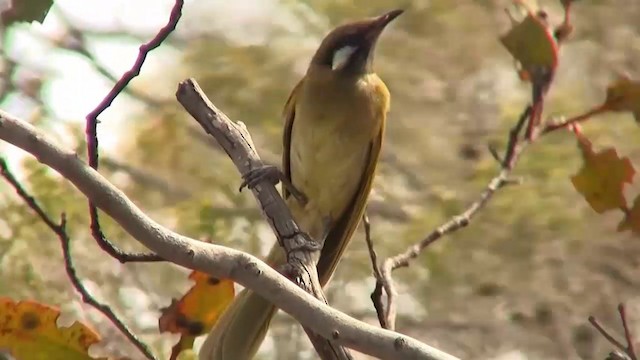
(121, 84)
(574, 120)
(216, 260)
(512, 153)
(92, 133)
(628, 352)
(61, 231)
(605, 334)
(376, 294)
(236, 141)
(627, 332)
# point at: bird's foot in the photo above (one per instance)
(308, 244)
(272, 174)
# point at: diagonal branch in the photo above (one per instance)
(61, 231)
(216, 260)
(236, 142)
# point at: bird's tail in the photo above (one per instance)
(243, 326)
(240, 331)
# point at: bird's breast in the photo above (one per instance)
(330, 141)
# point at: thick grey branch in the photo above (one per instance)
(216, 260)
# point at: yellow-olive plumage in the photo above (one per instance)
(334, 125)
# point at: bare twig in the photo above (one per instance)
(596, 324)
(92, 135)
(216, 260)
(628, 351)
(574, 120)
(376, 294)
(508, 161)
(627, 332)
(60, 229)
(236, 142)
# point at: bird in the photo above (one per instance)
(334, 127)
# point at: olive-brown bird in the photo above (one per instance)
(335, 118)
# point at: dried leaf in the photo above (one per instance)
(532, 44)
(28, 330)
(624, 95)
(197, 311)
(602, 176)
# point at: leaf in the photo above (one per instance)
(631, 220)
(532, 44)
(25, 10)
(624, 95)
(28, 330)
(197, 311)
(602, 176)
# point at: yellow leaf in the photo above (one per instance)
(197, 311)
(28, 330)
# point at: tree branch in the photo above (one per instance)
(216, 260)
(384, 280)
(236, 141)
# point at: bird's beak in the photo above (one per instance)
(379, 23)
(384, 20)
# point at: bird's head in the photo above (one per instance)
(349, 48)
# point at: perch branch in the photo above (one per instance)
(236, 142)
(216, 260)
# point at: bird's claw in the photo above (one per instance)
(307, 245)
(272, 174)
(253, 177)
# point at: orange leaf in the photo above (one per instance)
(198, 310)
(624, 95)
(28, 330)
(532, 44)
(602, 176)
(631, 219)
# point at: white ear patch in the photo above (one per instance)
(342, 56)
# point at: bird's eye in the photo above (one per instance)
(342, 56)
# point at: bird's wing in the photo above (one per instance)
(289, 114)
(339, 236)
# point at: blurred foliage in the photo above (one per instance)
(480, 290)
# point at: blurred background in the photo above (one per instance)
(519, 283)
